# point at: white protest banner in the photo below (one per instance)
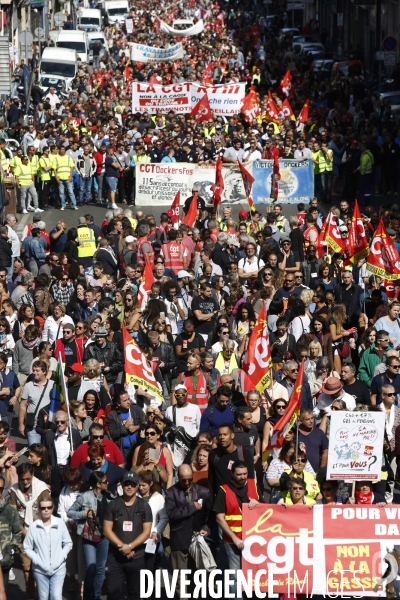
(225, 99)
(158, 184)
(152, 97)
(129, 26)
(355, 445)
(194, 30)
(149, 54)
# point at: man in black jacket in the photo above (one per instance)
(5, 248)
(188, 506)
(61, 443)
(106, 353)
(164, 354)
(349, 293)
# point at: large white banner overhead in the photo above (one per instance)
(149, 54)
(194, 30)
(152, 97)
(225, 99)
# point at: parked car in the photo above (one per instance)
(349, 68)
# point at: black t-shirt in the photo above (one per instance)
(206, 306)
(197, 342)
(246, 439)
(359, 391)
(201, 203)
(110, 171)
(241, 495)
(70, 353)
(128, 521)
(220, 466)
(315, 442)
(73, 391)
(291, 260)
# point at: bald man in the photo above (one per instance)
(381, 368)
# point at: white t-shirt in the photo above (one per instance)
(188, 417)
(250, 267)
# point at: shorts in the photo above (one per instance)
(112, 183)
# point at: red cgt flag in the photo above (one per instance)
(250, 107)
(383, 259)
(191, 215)
(321, 245)
(357, 241)
(155, 79)
(272, 110)
(332, 235)
(138, 370)
(286, 111)
(303, 116)
(147, 282)
(218, 186)
(258, 361)
(247, 178)
(202, 110)
(285, 423)
(173, 212)
(286, 84)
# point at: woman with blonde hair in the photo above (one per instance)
(79, 418)
(307, 297)
(314, 352)
(93, 378)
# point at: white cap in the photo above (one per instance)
(180, 386)
(183, 274)
(129, 239)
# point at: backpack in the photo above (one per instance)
(122, 262)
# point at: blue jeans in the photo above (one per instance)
(50, 586)
(32, 436)
(95, 558)
(66, 185)
(234, 560)
(85, 187)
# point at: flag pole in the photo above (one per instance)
(65, 392)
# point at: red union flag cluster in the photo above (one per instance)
(138, 370)
(357, 244)
(383, 259)
(250, 106)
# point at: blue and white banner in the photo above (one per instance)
(296, 183)
(148, 54)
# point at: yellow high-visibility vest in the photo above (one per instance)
(87, 242)
(34, 163)
(44, 162)
(62, 166)
(24, 174)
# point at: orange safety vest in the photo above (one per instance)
(306, 236)
(140, 256)
(173, 255)
(201, 394)
(233, 512)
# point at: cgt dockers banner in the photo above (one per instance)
(158, 184)
(225, 99)
(335, 550)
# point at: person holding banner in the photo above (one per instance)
(364, 494)
(297, 494)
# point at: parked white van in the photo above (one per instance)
(77, 40)
(115, 11)
(58, 65)
(89, 19)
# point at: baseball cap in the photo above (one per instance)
(130, 478)
(183, 274)
(343, 228)
(243, 213)
(232, 241)
(36, 218)
(180, 386)
(77, 368)
(129, 239)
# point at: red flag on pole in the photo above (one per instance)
(383, 259)
(218, 186)
(154, 79)
(357, 241)
(250, 107)
(321, 244)
(275, 178)
(248, 181)
(286, 422)
(202, 110)
(191, 215)
(258, 361)
(271, 109)
(303, 116)
(138, 370)
(173, 212)
(332, 235)
(147, 282)
(286, 111)
(286, 84)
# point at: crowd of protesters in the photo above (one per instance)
(123, 481)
